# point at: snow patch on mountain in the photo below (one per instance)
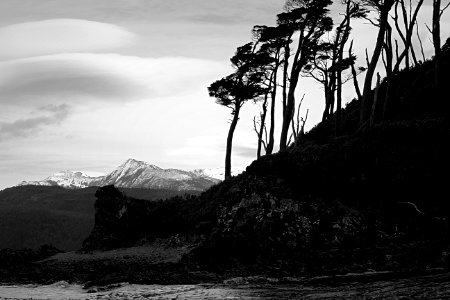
(67, 179)
(139, 174)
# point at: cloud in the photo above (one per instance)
(137, 10)
(78, 77)
(59, 36)
(205, 146)
(245, 151)
(46, 116)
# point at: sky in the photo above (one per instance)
(85, 85)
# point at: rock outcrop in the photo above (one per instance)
(119, 220)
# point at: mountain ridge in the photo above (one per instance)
(137, 174)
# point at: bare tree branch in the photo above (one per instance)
(355, 79)
(420, 41)
(371, 22)
(396, 49)
(397, 26)
(443, 10)
(384, 59)
(429, 30)
(367, 58)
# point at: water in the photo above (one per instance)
(63, 290)
(435, 286)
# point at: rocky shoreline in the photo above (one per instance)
(434, 284)
(161, 263)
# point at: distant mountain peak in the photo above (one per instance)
(135, 173)
(139, 174)
(66, 178)
(134, 163)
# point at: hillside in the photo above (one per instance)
(31, 216)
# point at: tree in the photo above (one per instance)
(271, 42)
(352, 11)
(354, 72)
(298, 126)
(406, 37)
(237, 88)
(408, 23)
(309, 18)
(322, 69)
(329, 65)
(436, 33)
(382, 7)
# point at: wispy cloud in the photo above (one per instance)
(59, 36)
(44, 116)
(245, 151)
(101, 77)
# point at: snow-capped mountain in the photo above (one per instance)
(139, 174)
(67, 179)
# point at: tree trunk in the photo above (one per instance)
(389, 51)
(338, 104)
(234, 122)
(262, 126)
(437, 42)
(287, 53)
(326, 111)
(365, 111)
(345, 35)
(403, 55)
(271, 141)
(375, 100)
(354, 74)
(290, 107)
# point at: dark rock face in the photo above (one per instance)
(122, 221)
(371, 201)
(367, 201)
(117, 219)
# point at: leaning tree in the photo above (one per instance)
(270, 41)
(234, 90)
(382, 8)
(309, 20)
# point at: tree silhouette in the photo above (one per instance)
(383, 8)
(436, 33)
(234, 90)
(308, 18)
(329, 64)
(406, 37)
(271, 41)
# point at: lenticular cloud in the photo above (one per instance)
(101, 77)
(61, 36)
